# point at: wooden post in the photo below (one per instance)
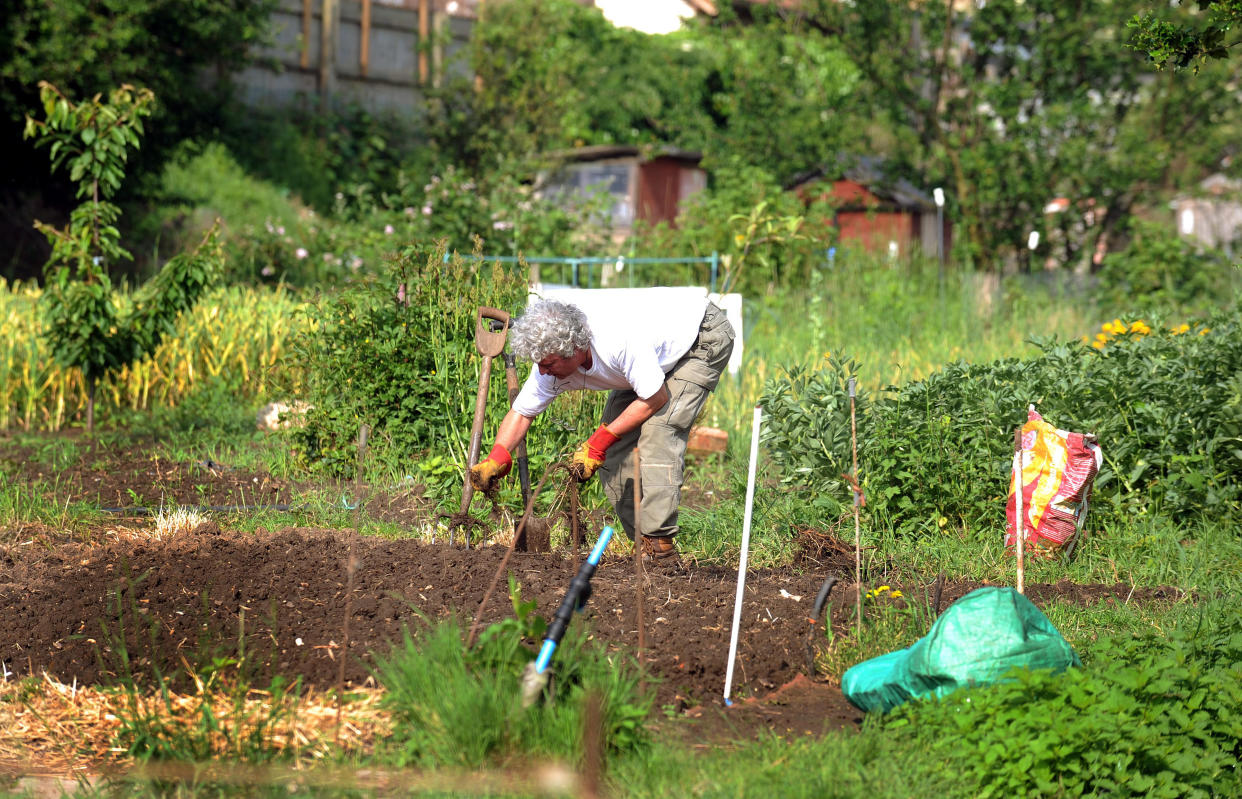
(364, 44)
(640, 575)
(1019, 522)
(330, 15)
(306, 33)
(424, 32)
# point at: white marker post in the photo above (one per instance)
(741, 566)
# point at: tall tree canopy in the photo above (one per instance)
(89, 47)
(1175, 36)
(553, 73)
(1025, 101)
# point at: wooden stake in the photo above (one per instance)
(857, 502)
(1019, 523)
(424, 31)
(517, 534)
(640, 575)
(350, 567)
(306, 34)
(328, 23)
(364, 45)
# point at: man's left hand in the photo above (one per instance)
(590, 456)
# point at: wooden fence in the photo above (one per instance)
(375, 56)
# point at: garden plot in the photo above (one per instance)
(280, 598)
(120, 603)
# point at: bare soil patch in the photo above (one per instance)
(280, 597)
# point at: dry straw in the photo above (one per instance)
(54, 727)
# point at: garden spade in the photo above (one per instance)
(491, 327)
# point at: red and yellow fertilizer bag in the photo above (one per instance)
(1058, 468)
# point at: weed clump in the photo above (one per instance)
(456, 707)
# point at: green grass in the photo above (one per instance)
(213, 180)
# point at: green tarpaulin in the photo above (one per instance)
(974, 642)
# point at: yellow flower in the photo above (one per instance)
(1205, 331)
(738, 239)
(895, 595)
(1180, 329)
(1140, 327)
(1099, 345)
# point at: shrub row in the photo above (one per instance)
(1157, 715)
(1166, 405)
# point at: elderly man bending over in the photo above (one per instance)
(660, 352)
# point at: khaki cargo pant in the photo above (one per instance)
(661, 440)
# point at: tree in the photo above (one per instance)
(1023, 102)
(90, 326)
(183, 50)
(1193, 43)
(554, 74)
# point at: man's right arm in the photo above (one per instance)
(512, 429)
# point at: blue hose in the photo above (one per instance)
(575, 599)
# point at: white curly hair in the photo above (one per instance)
(548, 328)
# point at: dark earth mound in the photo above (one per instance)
(281, 597)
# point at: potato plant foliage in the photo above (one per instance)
(1166, 406)
(397, 352)
(1156, 715)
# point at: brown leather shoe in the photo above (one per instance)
(657, 549)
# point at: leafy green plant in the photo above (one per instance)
(85, 327)
(398, 353)
(1161, 269)
(1167, 408)
(891, 621)
(454, 706)
(1158, 715)
(93, 139)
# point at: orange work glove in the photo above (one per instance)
(487, 473)
(590, 456)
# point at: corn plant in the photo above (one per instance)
(236, 336)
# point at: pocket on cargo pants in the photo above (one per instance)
(661, 441)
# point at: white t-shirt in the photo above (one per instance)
(636, 336)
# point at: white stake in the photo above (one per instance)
(741, 566)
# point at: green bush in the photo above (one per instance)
(1160, 268)
(1152, 716)
(320, 153)
(397, 352)
(1166, 406)
(746, 217)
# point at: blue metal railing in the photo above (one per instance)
(576, 264)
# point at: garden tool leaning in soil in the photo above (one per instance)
(535, 678)
(491, 328)
(519, 452)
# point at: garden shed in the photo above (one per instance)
(643, 184)
(873, 210)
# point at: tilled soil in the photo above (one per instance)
(281, 598)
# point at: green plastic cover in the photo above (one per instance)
(974, 642)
